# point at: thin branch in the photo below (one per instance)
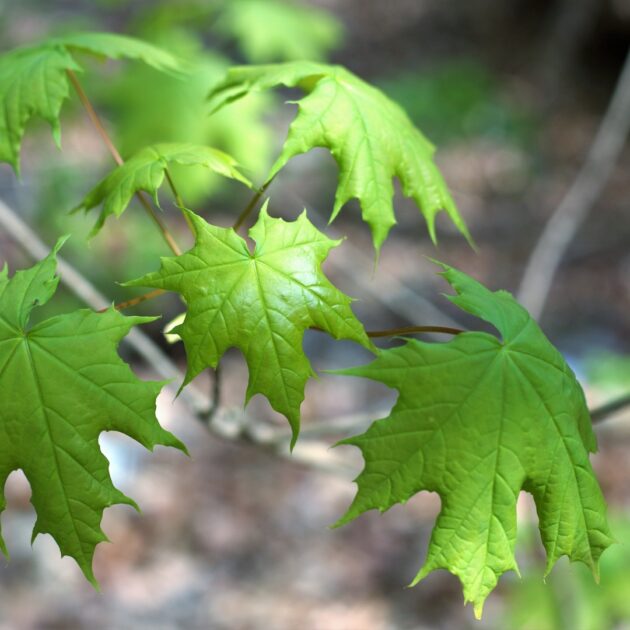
(566, 220)
(599, 414)
(96, 121)
(250, 206)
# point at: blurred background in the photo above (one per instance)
(513, 93)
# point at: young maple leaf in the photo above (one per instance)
(477, 420)
(369, 135)
(34, 83)
(145, 171)
(260, 302)
(61, 384)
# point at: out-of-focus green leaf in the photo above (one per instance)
(33, 80)
(277, 30)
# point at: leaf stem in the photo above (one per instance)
(96, 121)
(250, 206)
(137, 300)
(178, 198)
(413, 330)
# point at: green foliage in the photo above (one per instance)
(33, 80)
(260, 302)
(370, 137)
(460, 99)
(477, 420)
(569, 598)
(62, 383)
(277, 30)
(146, 170)
(137, 99)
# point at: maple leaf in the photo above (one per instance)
(145, 171)
(34, 83)
(370, 137)
(272, 30)
(260, 302)
(477, 420)
(61, 384)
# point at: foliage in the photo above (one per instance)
(145, 171)
(273, 30)
(260, 302)
(516, 419)
(33, 81)
(62, 384)
(370, 137)
(478, 419)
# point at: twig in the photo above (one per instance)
(250, 206)
(603, 155)
(314, 456)
(602, 413)
(121, 306)
(178, 199)
(96, 121)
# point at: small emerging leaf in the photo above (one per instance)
(370, 137)
(34, 83)
(260, 302)
(61, 384)
(479, 419)
(145, 171)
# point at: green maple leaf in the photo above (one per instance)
(370, 137)
(260, 302)
(61, 384)
(273, 30)
(34, 83)
(477, 420)
(145, 171)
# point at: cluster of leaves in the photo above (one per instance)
(478, 419)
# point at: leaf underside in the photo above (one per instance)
(371, 138)
(61, 384)
(34, 83)
(477, 420)
(260, 302)
(145, 171)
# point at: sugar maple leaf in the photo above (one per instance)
(34, 83)
(260, 302)
(477, 420)
(371, 138)
(145, 171)
(61, 384)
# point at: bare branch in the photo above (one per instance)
(579, 199)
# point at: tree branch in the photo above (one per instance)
(564, 223)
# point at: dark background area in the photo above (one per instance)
(234, 537)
